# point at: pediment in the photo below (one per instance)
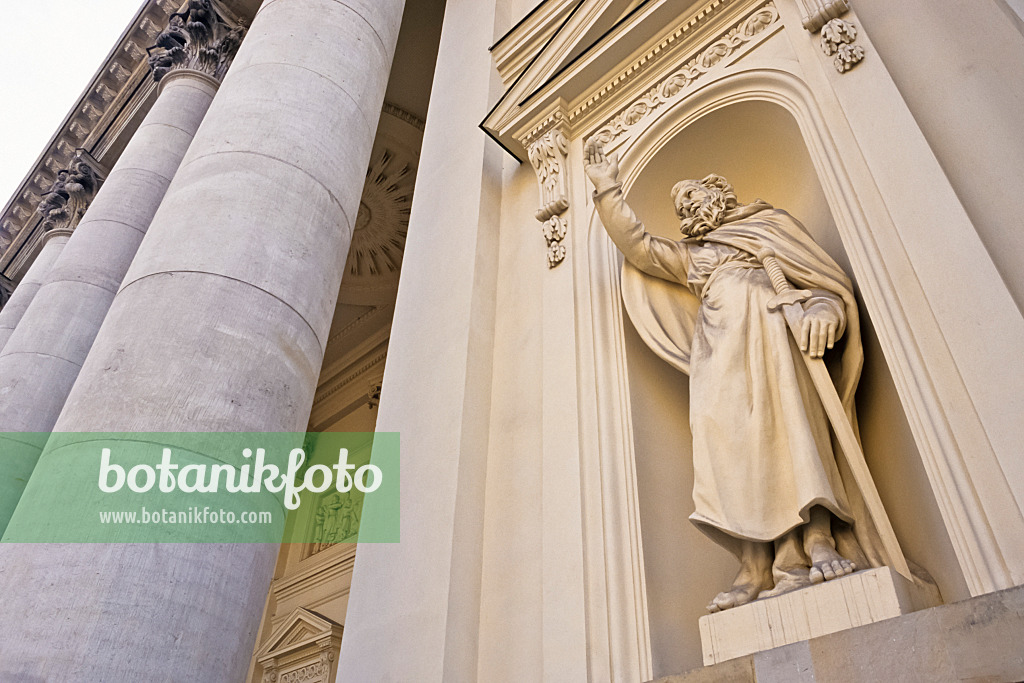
(602, 53)
(300, 629)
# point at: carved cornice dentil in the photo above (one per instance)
(68, 198)
(88, 125)
(198, 39)
(837, 38)
(548, 155)
(671, 88)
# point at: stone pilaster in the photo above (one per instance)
(243, 261)
(41, 360)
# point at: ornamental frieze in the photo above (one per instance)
(681, 80)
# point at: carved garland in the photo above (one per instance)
(670, 88)
(548, 154)
(197, 39)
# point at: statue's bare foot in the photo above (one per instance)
(793, 581)
(746, 588)
(827, 564)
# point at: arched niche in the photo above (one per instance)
(770, 148)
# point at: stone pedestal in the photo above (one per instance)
(857, 600)
(973, 640)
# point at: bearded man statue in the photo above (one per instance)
(767, 485)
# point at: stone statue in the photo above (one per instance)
(767, 484)
(66, 202)
(56, 199)
(197, 38)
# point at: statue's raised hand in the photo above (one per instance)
(603, 171)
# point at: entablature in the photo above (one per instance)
(99, 123)
(610, 76)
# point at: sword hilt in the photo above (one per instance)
(785, 294)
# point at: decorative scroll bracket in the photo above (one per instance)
(548, 154)
(817, 13)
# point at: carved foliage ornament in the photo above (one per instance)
(197, 38)
(681, 79)
(64, 204)
(547, 154)
(837, 37)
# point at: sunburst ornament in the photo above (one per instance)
(378, 239)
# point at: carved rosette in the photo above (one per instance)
(197, 39)
(548, 156)
(67, 199)
(837, 38)
(378, 237)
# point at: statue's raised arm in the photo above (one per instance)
(653, 255)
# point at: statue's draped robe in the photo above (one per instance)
(763, 452)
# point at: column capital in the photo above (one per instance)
(64, 203)
(197, 39)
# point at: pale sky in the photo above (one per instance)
(49, 51)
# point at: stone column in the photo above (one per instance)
(219, 325)
(53, 244)
(60, 209)
(42, 358)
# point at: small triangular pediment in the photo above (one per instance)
(567, 29)
(300, 628)
(599, 50)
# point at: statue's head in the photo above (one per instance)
(700, 204)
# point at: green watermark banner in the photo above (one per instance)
(189, 487)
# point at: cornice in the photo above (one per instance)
(514, 51)
(600, 82)
(114, 86)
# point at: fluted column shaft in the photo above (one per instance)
(42, 358)
(25, 292)
(220, 325)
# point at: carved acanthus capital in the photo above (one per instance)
(837, 38)
(548, 156)
(197, 38)
(67, 199)
(817, 13)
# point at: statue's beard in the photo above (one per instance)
(705, 217)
